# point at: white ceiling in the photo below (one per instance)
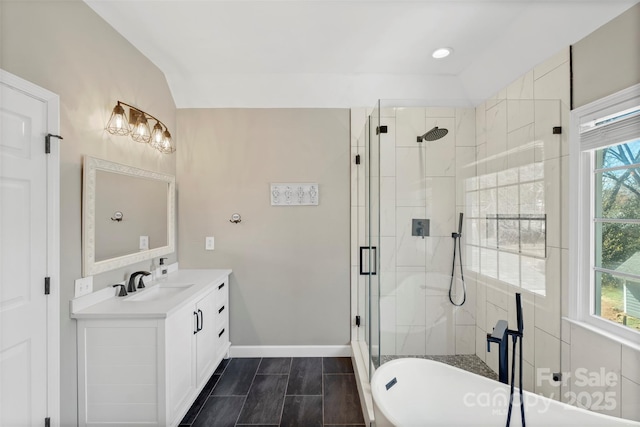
(346, 53)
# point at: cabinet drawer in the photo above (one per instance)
(222, 314)
(222, 291)
(222, 336)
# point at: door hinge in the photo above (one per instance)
(381, 129)
(357, 159)
(557, 130)
(358, 321)
(47, 142)
(47, 422)
(47, 285)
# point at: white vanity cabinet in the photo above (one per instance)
(146, 362)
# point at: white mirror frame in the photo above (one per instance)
(89, 264)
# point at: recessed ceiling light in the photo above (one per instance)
(443, 52)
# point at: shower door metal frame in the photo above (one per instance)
(372, 226)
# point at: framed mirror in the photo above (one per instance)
(128, 215)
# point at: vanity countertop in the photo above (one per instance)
(104, 304)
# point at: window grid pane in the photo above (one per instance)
(617, 234)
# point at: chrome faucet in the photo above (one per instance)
(132, 280)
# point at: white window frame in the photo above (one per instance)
(581, 212)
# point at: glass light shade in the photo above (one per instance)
(141, 131)
(157, 135)
(118, 123)
(167, 144)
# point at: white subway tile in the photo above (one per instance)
(439, 112)
(519, 113)
(552, 195)
(522, 87)
(440, 326)
(388, 150)
(630, 409)
(465, 127)
(465, 339)
(439, 253)
(466, 313)
(410, 340)
(481, 123)
(410, 176)
(410, 250)
(564, 200)
(410, 298)
(554, 84)
(553, 62)
(592, 354)
(547, 360)
(387, 206)
(547, 306)
(481, 344)
(358, 123)
(547, 113)
(631, 364)
(496, 124)
(410, 123)
(440, 205)
(565, 368)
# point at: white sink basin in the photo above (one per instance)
(160, 291)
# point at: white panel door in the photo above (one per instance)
(23, 259)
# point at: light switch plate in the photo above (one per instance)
(144, 243)
(209, 243)
(84, 286)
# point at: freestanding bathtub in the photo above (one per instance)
(423, 393)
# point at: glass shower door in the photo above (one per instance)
(371, 251)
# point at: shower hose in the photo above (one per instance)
(457, 248)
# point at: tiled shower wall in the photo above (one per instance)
(518, 121)
(421, 181)
(519, 170)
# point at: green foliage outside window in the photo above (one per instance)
(617, 201)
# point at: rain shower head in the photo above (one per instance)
(433, 134)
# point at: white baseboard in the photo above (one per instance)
(290, 351)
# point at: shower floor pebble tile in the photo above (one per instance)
(468, 362)
(285, 392)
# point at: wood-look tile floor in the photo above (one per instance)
(287, 392)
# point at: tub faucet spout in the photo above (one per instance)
(499, 336)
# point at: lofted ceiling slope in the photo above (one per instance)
(345, 53)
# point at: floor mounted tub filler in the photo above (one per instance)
(420, 393)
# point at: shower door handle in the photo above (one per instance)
(374, 270)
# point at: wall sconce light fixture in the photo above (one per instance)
(137, 127)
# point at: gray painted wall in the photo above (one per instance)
(291, 272)
(66, 48)
(607, 60)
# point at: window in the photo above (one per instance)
(508, 226)
(605, 239)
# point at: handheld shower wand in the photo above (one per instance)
(456, 239)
